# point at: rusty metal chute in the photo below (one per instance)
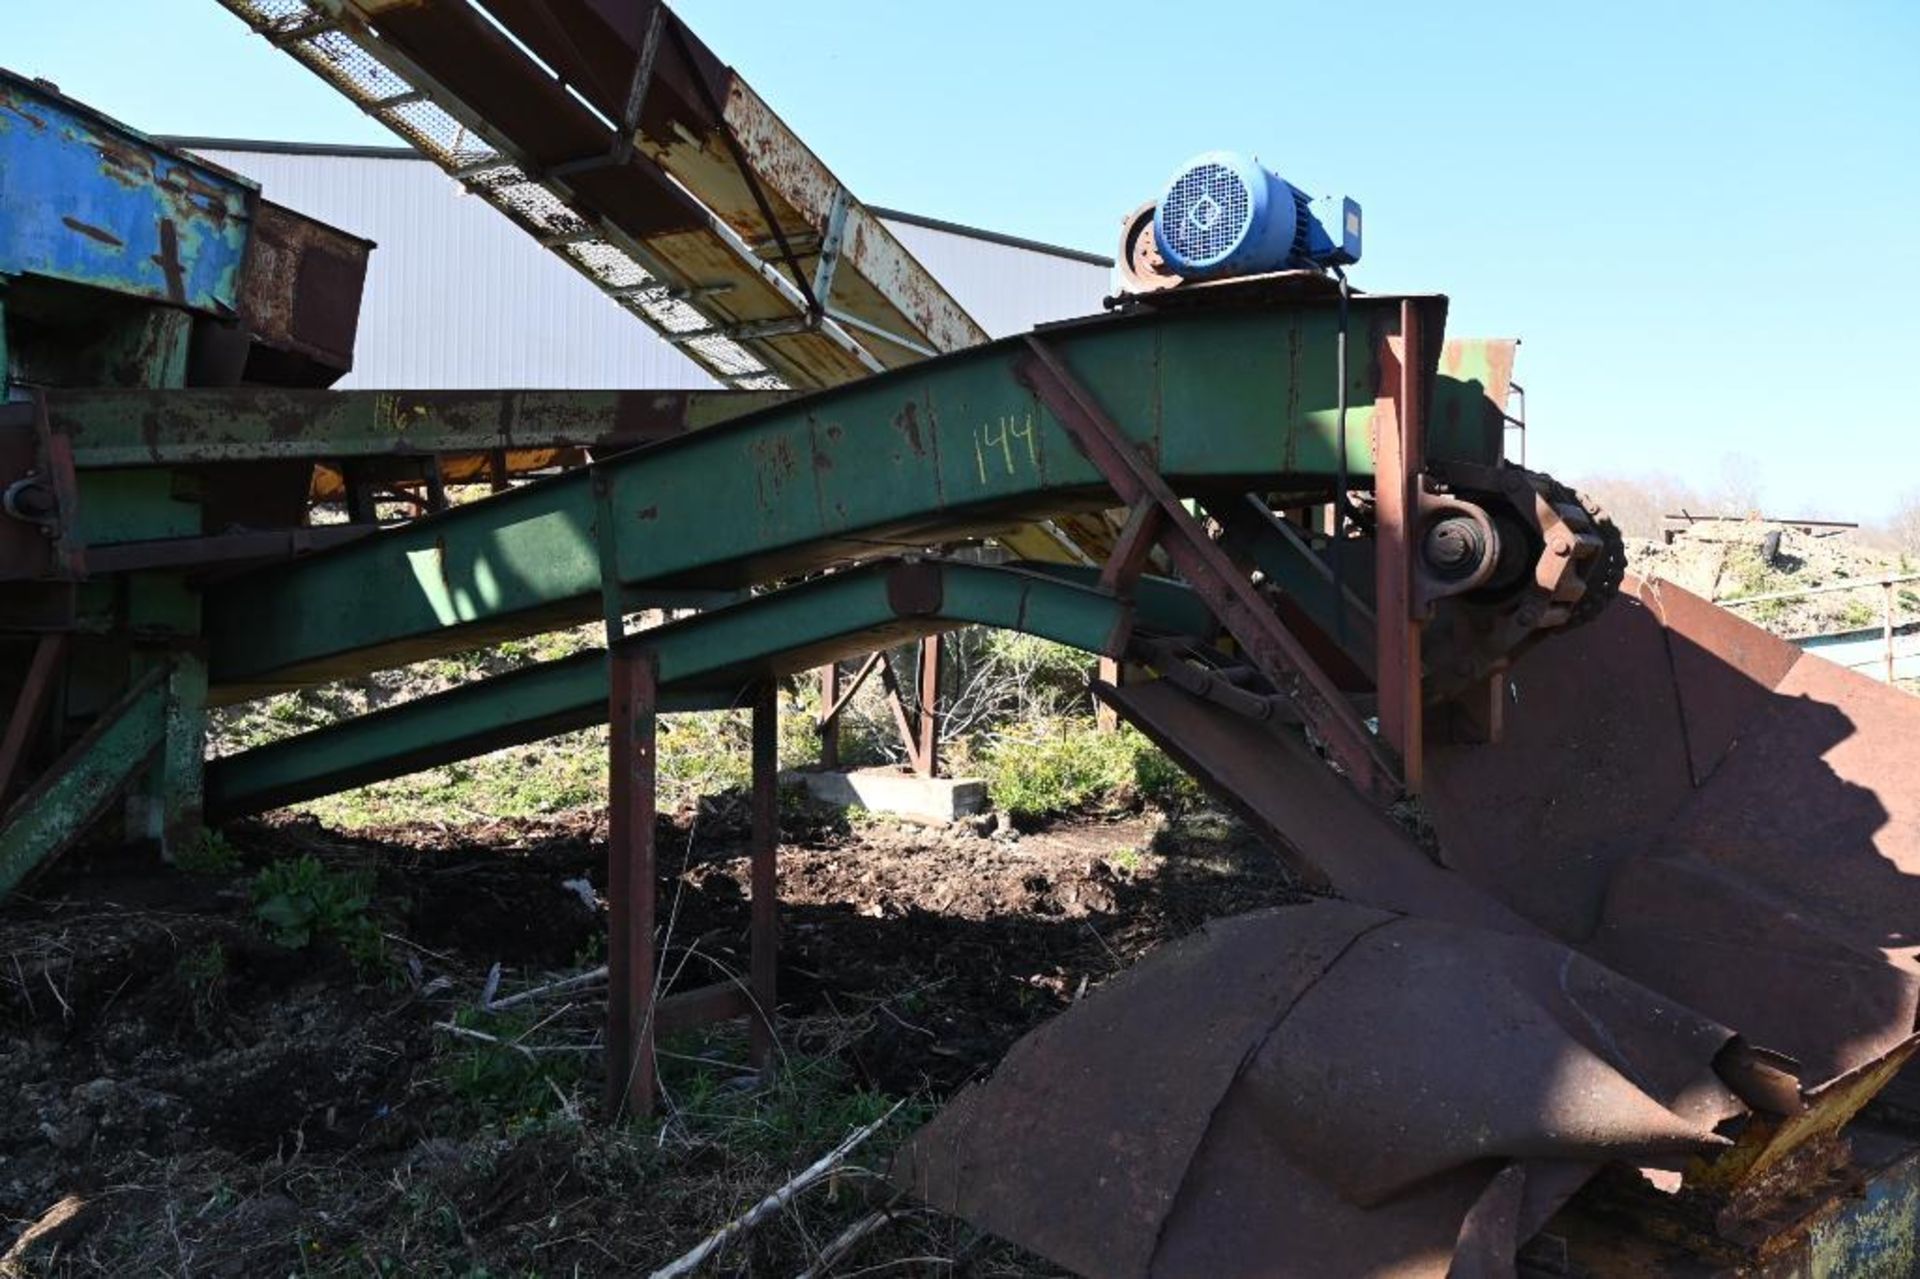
(1689, 861)
(1705, 807)
(1363, 1085)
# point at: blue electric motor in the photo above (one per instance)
(1225, 214)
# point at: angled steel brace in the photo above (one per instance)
(1271, 647)
(84, 782)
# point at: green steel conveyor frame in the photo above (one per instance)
(706, 662)
(1233, 396)
(1232, 393)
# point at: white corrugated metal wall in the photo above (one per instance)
(458, 297)
(1008, 289)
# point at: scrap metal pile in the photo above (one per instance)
(1615, 965)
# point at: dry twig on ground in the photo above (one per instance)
(692, 1259)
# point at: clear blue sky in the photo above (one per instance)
(1699, 217)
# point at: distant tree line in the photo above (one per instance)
(1638, 500)
(1902, 530)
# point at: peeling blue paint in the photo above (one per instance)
(86, 200)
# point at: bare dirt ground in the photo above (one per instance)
(190, 1097)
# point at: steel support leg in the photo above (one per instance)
(633, 719)
(362, 506)
(28, 708)
(834, 696)
(178, 780)
(1399, 458)
(903, 722)
(920, 730)
(765, 878)
(1886, 627)
(828, 724)
(1105, 718)
(928, 725)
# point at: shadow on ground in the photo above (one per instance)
(160, 1046)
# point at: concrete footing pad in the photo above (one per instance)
(895, 791)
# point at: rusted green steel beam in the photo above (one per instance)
(705, 663)
(86, 780)
(1236, 395)
(112, 428)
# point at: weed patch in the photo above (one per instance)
(1067, 765)
(211, 854)
(811, 1102)
(1858, 613)
(495, 1076)
(203, 967)
(299, 899)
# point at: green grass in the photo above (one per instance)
(536, 780)
(1746, 573)
(701, 754)
(721, 1140)
(1066, 765)
(1046, 767)
(301, 899)
(203, 967)
(1856, 614)
(811, 1103)
(507, 1081)
(211, 854)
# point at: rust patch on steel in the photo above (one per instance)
(131, 169)
(773, 465)
(1724, 835)
(822, 459)
(1308, 815)
(168, 260)
(1724, 671)
(907, 423)
(915, 588)
(94, 233)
